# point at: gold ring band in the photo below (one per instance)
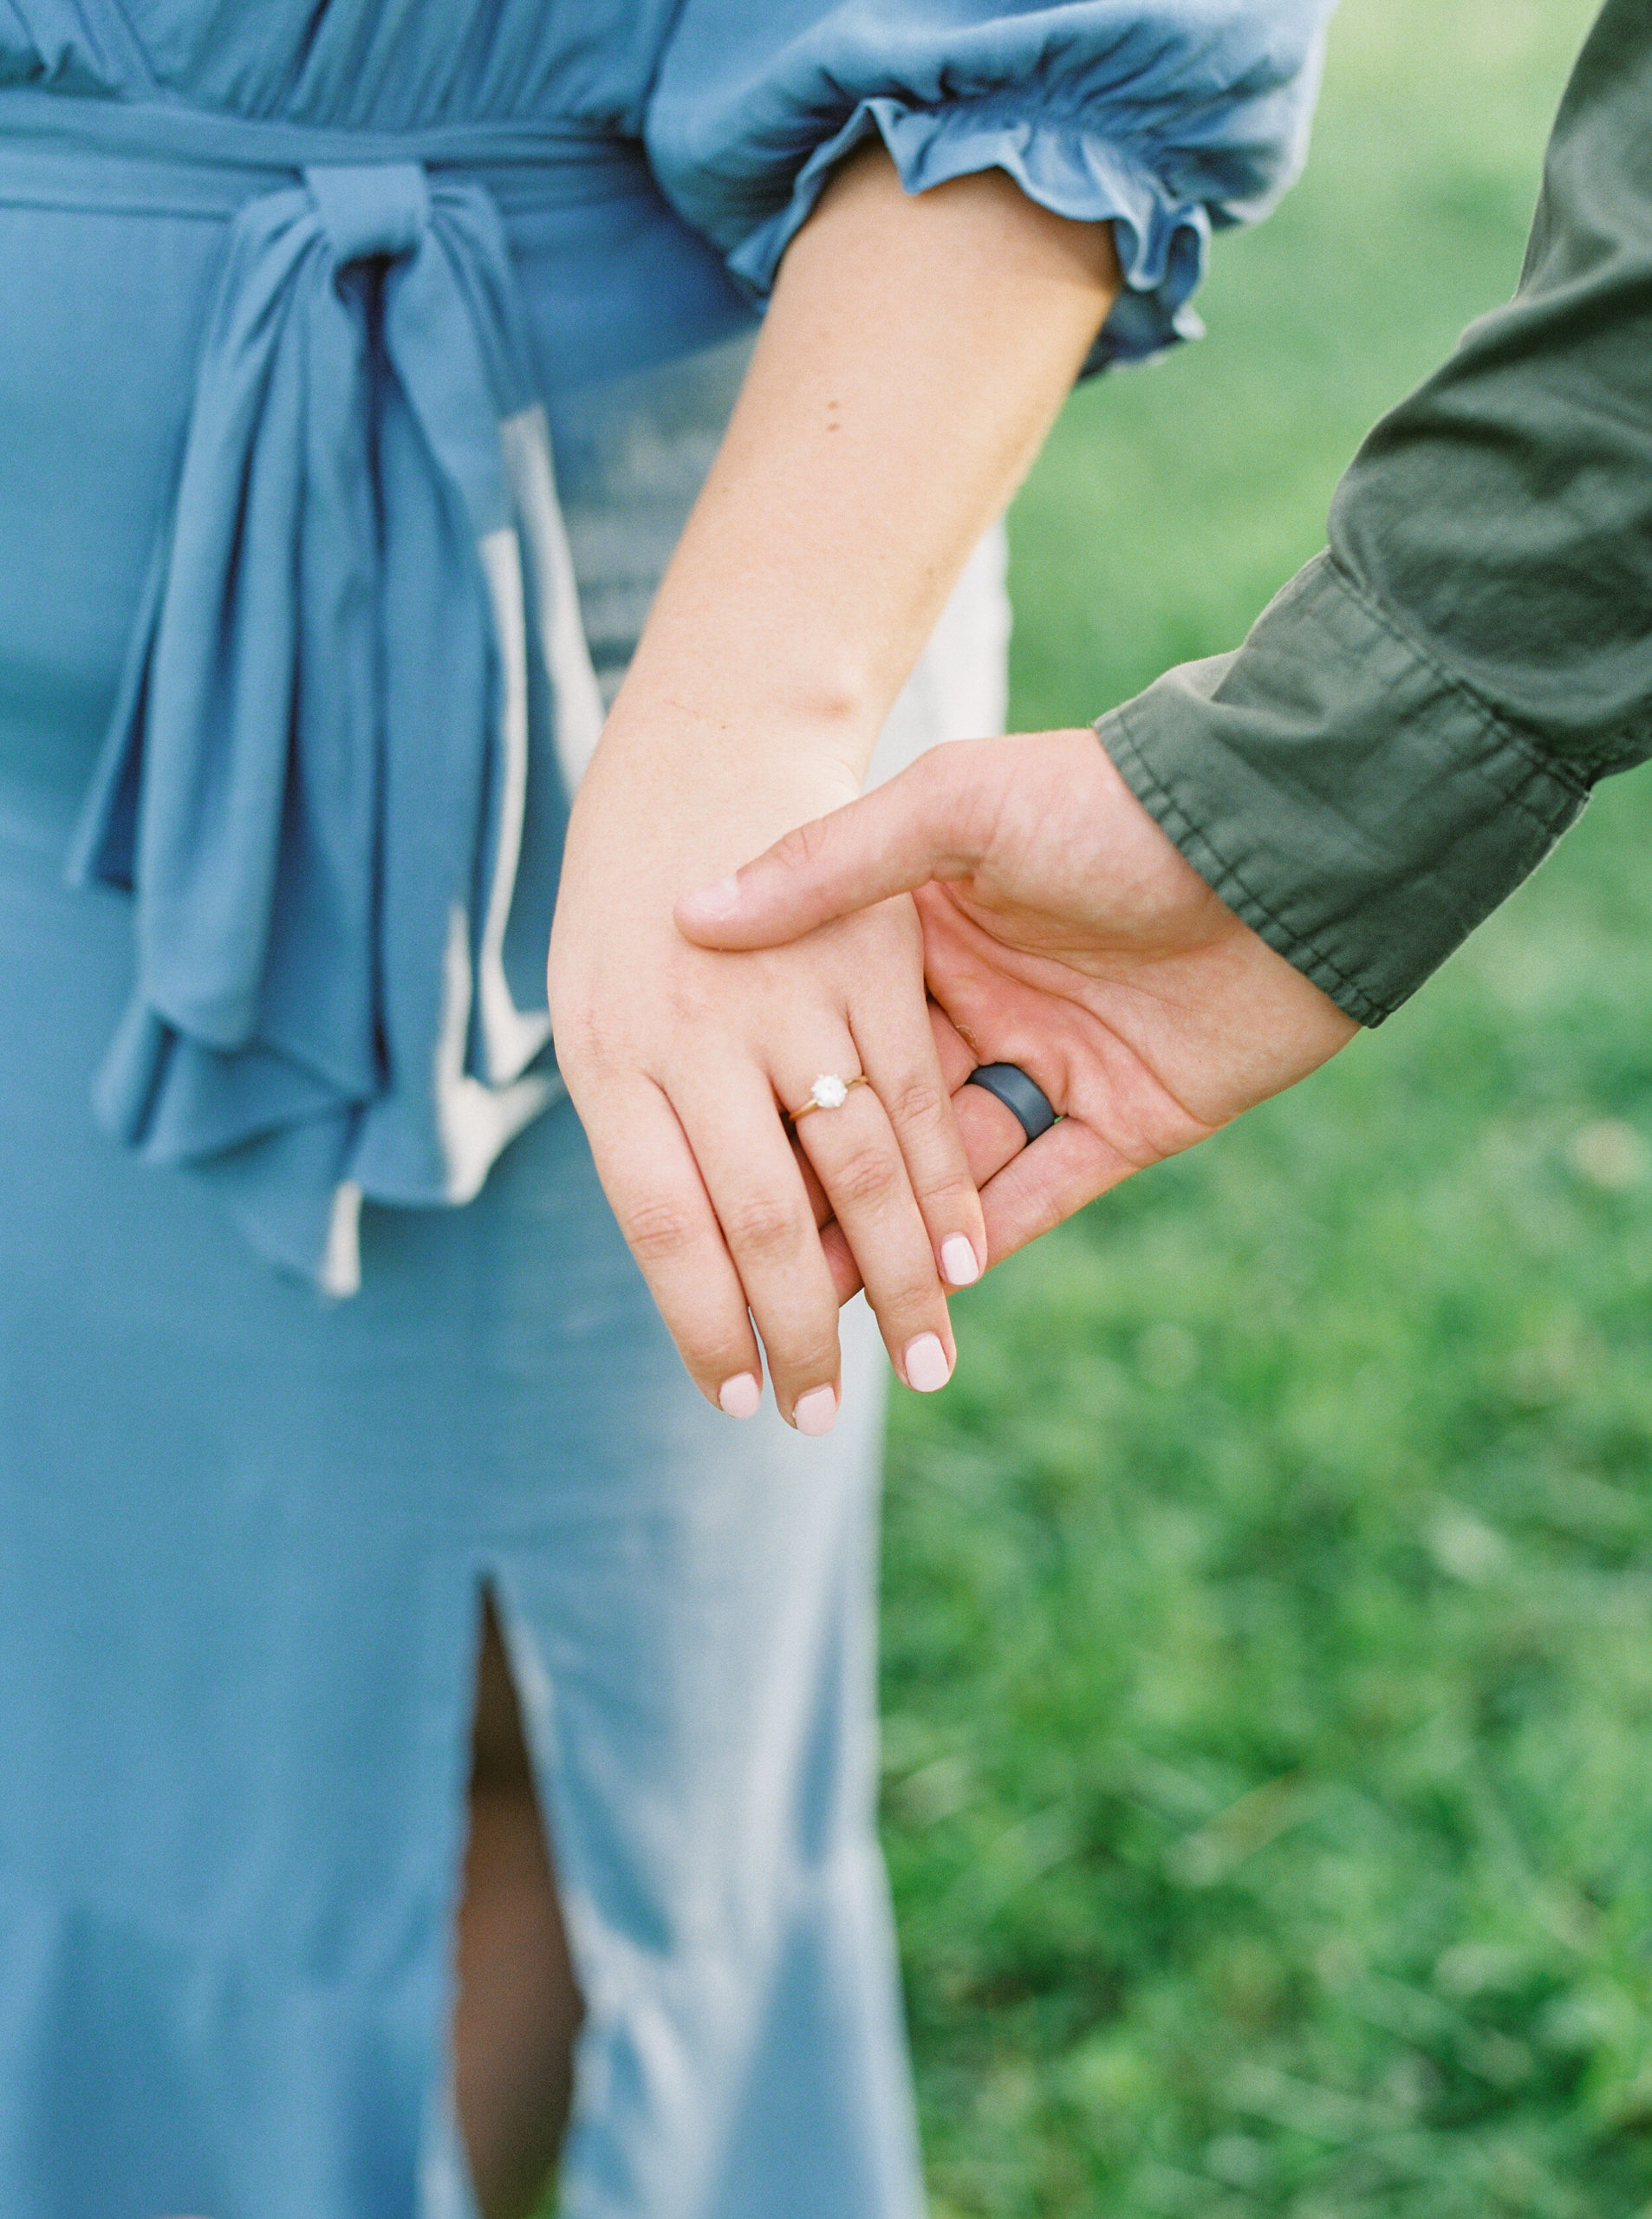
(829, 1092)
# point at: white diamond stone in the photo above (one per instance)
(829, 1092)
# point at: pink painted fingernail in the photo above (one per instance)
(925, 1364)
(740, 1395)
(713, 903)
(960, 1261)
(816, 1412)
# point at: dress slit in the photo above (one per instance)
(516, 2007)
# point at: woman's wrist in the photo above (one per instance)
(676, 791)
(704, 724)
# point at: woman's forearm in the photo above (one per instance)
(912, 357)
(914, 354)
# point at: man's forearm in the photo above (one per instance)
(1419, 716)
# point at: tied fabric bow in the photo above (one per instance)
(359, 691)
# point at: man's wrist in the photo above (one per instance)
(1358, 808)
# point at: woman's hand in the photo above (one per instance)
(1063, 931)
(681, 1063)
(914, 353)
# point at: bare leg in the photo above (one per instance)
(517, 2009)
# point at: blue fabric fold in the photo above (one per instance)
(332, 778)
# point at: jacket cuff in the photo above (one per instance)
(1359, 808)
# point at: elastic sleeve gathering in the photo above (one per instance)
(1167, 118)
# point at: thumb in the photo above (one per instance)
(892, 840)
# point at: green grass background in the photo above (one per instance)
(1268, 1605)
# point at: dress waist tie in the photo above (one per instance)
(335, 782)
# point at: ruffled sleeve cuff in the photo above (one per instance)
(1169, 119)
(1162, 239)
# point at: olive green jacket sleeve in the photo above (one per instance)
(1422, 712)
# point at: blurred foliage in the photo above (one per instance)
(1172, 501)
(1268, 1627)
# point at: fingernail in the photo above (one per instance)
(740, 1395)
(816, 1412)
(960, 1261)
(926, 1364)
(715, 902)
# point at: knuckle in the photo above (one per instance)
(800, 848)
(713, 1355)
(762, 1226)
(916, 1102)
(685, 999)
(808, 1357)
(657, 1232)
(582, 1037)
(954, 1197)
(908, 1289)
(866, 1177)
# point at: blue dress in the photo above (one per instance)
(358, 365)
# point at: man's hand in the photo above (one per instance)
(1063, 931)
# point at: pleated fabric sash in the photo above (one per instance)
(356, 697)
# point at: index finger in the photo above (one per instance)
(891, 840)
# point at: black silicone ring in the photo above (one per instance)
(1028, 1104)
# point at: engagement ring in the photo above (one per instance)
(829, 1092)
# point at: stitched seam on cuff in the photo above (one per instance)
(1506, 739)
(1174, 820)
